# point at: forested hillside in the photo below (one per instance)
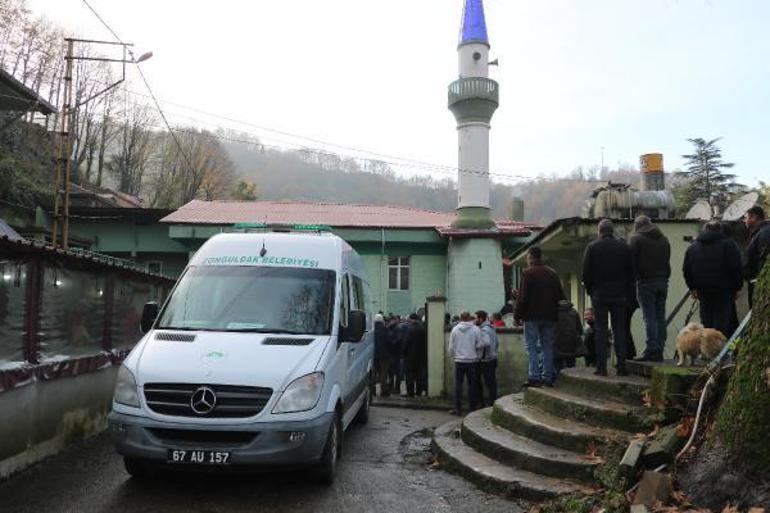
(303, 175)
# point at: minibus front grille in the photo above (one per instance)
(231, 401)
(207, 438)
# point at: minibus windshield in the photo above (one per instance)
(252, 299)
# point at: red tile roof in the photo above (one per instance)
(332, 214)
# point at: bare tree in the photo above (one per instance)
(197, 167)
(135, 144)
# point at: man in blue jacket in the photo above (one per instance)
(487, 360)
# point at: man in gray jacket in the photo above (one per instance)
(465, 346)
(487, 360)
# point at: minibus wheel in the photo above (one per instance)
(327, 468)
(136, 468)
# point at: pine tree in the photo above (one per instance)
(705, 178)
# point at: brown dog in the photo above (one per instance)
(694, 340)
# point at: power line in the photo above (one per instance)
(146, 83)
(389, 157)
(291, 145)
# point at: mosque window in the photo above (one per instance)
(398, 273)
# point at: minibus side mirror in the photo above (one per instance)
(149, 314)
(356, 325)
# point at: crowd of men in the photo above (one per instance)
(400, 354)
(619, 276)
(622, 276)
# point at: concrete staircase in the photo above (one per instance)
(536, 445)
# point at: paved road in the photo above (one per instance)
(384, 469)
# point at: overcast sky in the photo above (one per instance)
(632, 76)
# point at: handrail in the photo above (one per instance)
(473, 87)
(676, 309)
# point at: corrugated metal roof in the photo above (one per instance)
(332, 214)
(77, 257)
(15, 96)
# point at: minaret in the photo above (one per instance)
(474, 255)
(473, 98)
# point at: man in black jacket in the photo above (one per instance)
(759, 247)
(713, 273)
(651, 255)
(415, 351)
(608, 278)
(382, 354)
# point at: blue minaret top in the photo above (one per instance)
(474, 28)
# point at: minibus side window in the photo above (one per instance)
(344, 300)
(358, 292)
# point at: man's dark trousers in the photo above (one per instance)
(716, 310)
(466, 371)
(616, 310)
(412, 376)
(652, 296)
(487, 382)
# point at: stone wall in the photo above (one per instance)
(41, 418)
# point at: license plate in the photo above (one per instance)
(198, 457)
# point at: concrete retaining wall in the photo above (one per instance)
(511, 364)
(39, 419)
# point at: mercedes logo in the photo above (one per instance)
(203, 400)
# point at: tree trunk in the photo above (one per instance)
(734, 463)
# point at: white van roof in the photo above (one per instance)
(271, 249)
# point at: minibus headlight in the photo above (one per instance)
(302, 394)
(125, 388)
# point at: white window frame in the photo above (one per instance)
(402, 262)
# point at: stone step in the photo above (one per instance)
(513, 414)
(583, 381)
(493, 476)
(595, 411)
(644, 369)
(498, 443)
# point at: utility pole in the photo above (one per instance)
(64, 158)
(63, 170)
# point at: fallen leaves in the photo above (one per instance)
(681, 498)
(647, 399)
(592, 454)
(684, 428)
(683, 505)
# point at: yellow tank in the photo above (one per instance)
(651, 163)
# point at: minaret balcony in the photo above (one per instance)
(473, 99)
